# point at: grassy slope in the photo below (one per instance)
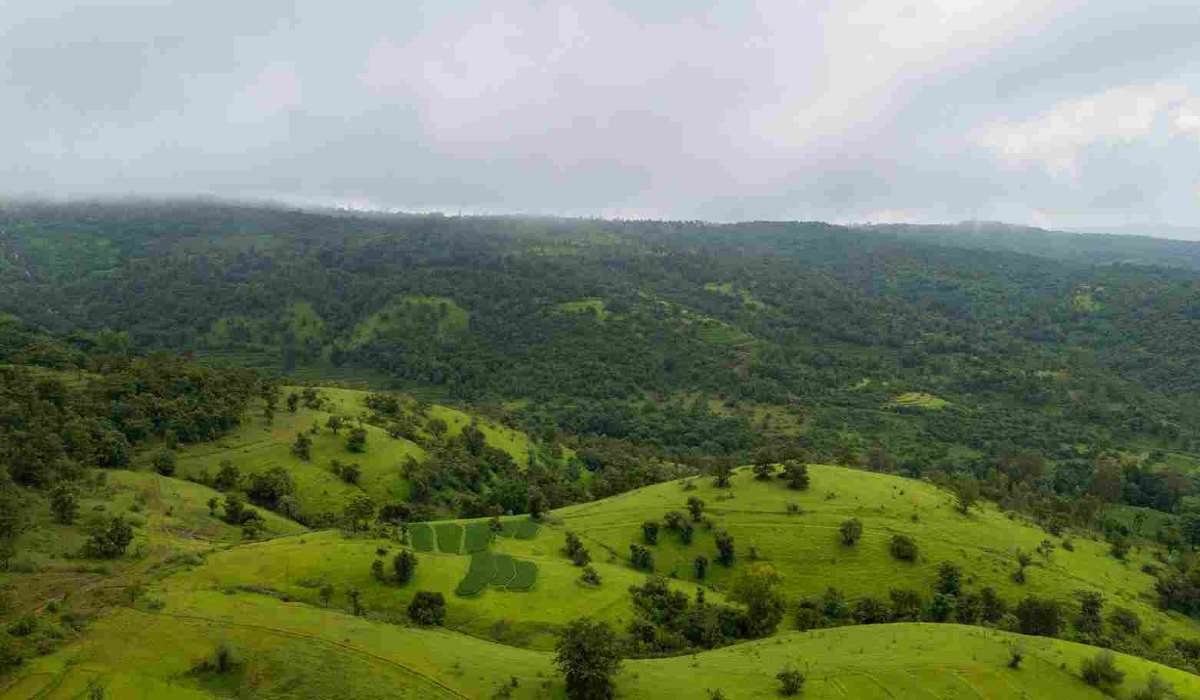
(298, 651)
(807, 551)
(256, 447)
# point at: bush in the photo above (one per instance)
(640, 557)
(1101, 671)
(590, 576)
(109, 542)
(1156, 689)
(1125, 621)
(404, 565)
(851, 531)
(427, 608)
(1039, 616)
(903, 548)
(1016, 654)
(356, 441)
(9, 656)
(725, 551)
(164, 462)
(795, 473)
(791, 681)
(650, 532)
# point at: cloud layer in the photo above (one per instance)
(1061, 113)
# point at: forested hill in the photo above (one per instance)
(689, 336)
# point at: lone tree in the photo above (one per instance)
(235, 509)
(641, 558)
(757, 589)
(650, 532)
(795, 473)
(724, 547)
(966, 493)
(359, 512)
(227, 477)
(404, 564)
(763, 471)
(357, 440)
(700, 564)
(302, 447)
(164, 462)
(64, 503)
(109, 542)
(851, 531)
(791, 680)
(588, 656)
(334, 424)
(722, 476)
(903, 548)
(695, 508)
(427, 608)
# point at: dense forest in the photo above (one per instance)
(897, 348)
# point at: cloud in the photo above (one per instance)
(813, 109)
(1057, 137)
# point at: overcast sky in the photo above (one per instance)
(1049, 112)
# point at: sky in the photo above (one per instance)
(1055, 113)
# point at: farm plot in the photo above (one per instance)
(449, 537)
(421, 536)
(498, 571)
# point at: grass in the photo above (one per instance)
(807, 552)
(519, 528)
(300, 651)
(477, 537)
(421, 536)
(449, 537)
(918, 399)
(399, 310)
(594, 307)
(255, 447)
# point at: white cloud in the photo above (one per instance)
(1056, 138)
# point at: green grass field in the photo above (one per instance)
(294, 650)
(805, 548)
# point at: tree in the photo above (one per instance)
(302, 447)
(650, 532)
(590, 576)
(724, 547)
(326, 591)
(695, 508)
(949, 579)
(404, 565)
(227, 477)
(427, 608)
(359, 511)
(906, 605)
(795, 473)
(903, 548)
(1101, 671)
(791, 680)
(722, 476)
(757, 589)
(640, 557)
(164, 462)
(700, 566)
(334, 424)
(64, 503)
(293, 400)
(235, 509)
(357, 440)
(851, 531)
(588, 656)
(355, 597)
(966, 493)
(1091, 606)
(109, 541)
(212, 505)
(1039, 616)
(267, 488)
(763, 471)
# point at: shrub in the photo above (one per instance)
(640, 557)
(164, 462)
(228, 476)
(590, 576)
(851, 531)
(763, 471)
(903, 548)
(1120, 548)
(1039, 616)
(869, 611)
(9, 656)
(695, 508)
(725, 552)
(906, 605)
(109, 542)
(795, 473)
(427, 608)
(64, 503)
(1101, 671)
(700, 566)
(1016, 654)
(808, 616)
(1156, 689)
(404, 565)
(1125, 621)
(791, 680)
(650, 532)
(356, 441)
(949, 579)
